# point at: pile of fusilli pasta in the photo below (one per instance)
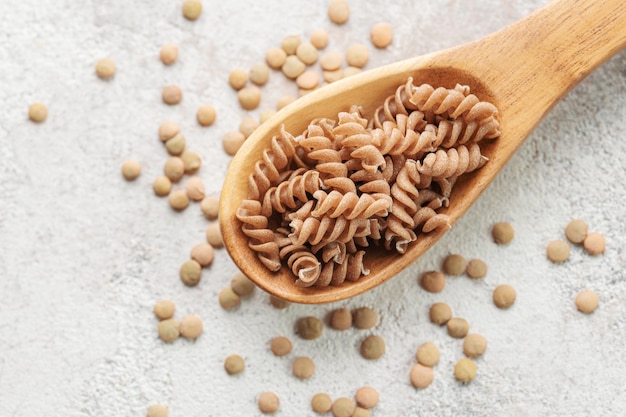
(316, 201)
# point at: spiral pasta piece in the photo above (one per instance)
(261, 239)
(289, 192)
(350, 205)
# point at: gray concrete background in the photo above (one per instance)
(84, 254)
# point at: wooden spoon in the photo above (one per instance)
(524, 69)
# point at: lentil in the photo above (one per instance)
(319, 38)
(454, 264)
(381, 35)
(427, 354)
(338, 11)
(366, 397)
(205, 115)
(502, 233)
(309, 328)
(157, 410)
(283, 101)
(168, 330)
(594, 243)
(238, 78)
(176, 145)
(232, 141)
(465, 370)
(457, 327)
(191, 327)
(440, 313)
(172, 94)
(259, 74)
(307, 53)
(268, 402)
(210, 207)
(229, 299)
(168, 54)
(37, 112)
(433, 281)
(474, 345)
(191, 161)
(105, 68)
(190, 272)
(332, 76)
(476, 268)
(576, 231)
(280, 346)
(348, 71)
(421, 376)
(192, 9)
(202, 253)
(557, 251)
(331, 60)
(504, 296)
(275, 57)
(279, 303)
(249, 97)
(194, 189)
(290, 44)
(293, 67)
(343, 407)
(131, 170)
(361, 412)
(587, 301)
(214, 235)
(308, 80)
(364, 318)
(248, 125)
(178, 199)
(372, 347)
(303, 367)
(321, 403)
(164, 309)
(167, 130)
(341, 319)
(242, 285)
(357, 55)
(234, 364)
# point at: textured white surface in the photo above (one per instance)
(84, 254)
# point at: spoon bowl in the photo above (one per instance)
(524, 70)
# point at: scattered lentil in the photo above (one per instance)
(308, 80)
(283, 101)
(474, 345)
(290, 44)
(587, 301)
(234, 364)
(338, 11)
(341, 319)
(162, 185)
(331, 60)
(229, 299)
(131, 169)
(259, 74)
(238, 78)
(206, 115)
(476, 268)
(214, 235)
(293, 67)
(167, 130)
(242, 285)
(307, 53)
(454, 264)
(332, 76)
(372, 347)
(275, 57)
(343, 407)
(168, 330)
(557, 251)
(502, 233)
(427, 354)
(37, 112)
(303, 367)
(440, 313)
(321, 403)
(190, 272)
(381, 35)
(157, 410)
(364, 318)
(168, 54)
(309, 328)
(504, 296)
(195, 188)
(202, 253)
(366, 397)
(248, 125)
(105, 68)
(164, 309)
(268, 402)
(348, 71)
(172, 94)
(178, 199)
(249, 97)
(191, 160)
(210, 207)
(361, 412)
(457, 327)
(576, 231)
(421, 376)
(594, 243)
(232, 141)
(465, 370)
(433, 281)
(280, 346)
(176, 145)
(319, 38)
(357, 55)
(279, 303)
(191, 326)
(192, 9)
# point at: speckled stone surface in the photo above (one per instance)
(84, 255)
